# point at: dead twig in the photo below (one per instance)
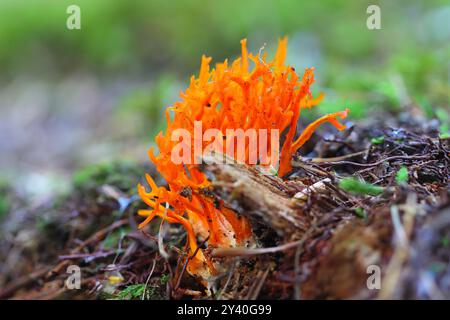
(337, 159)
(244, 252)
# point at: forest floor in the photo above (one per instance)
(373, 196)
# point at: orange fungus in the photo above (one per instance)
(269, 95)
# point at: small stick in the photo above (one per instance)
(378, 162)
(335, 159)
(235, 252)
(148, 279)
(260, 284)
(95, 255)
(230, 274)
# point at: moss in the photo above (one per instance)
(165, 278)
(360, 212)
(124, 175)
(425, 105)
(444, 119)
(402, 175)
(4, 198)
(377, 140)
(357, 108)
(136, 291)
(112, 240)
(389, 94)
(4, 206)
(355, 186)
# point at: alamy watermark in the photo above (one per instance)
(73, 282)
(374, 280)
(251, 146)
(73, 21)
(373, 21)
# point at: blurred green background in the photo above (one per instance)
(72, 98)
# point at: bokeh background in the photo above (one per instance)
(72, 99)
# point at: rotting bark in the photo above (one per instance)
(257, 195)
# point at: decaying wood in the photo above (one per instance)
(252, 193)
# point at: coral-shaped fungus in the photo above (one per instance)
(231, 96)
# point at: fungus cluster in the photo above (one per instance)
(270, 95)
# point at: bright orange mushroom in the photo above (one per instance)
(230, 96)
